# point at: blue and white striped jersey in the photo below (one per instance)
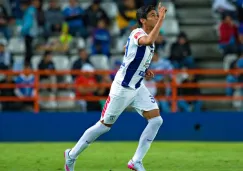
(135, 61)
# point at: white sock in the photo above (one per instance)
(147, 138)
(89, 136)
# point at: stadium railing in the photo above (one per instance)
(173, 85)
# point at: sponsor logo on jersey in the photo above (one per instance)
(147, 62)
(112, 117)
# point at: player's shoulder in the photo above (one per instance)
(137, 32)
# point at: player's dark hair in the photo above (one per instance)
(142, 12)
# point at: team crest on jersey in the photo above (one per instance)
(137, 34)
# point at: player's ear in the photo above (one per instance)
(142, 20)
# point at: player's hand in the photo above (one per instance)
(149, 74)
(161, 11)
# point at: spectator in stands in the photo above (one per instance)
(93, 14)
(87, 86)
(103, 91)
(162, 64)
(65, 38)
(117, 65)
(239, 65)
(231, 78)
(223, 7)
(62, 43)
(9, 106)
(25, 83)
(228, 35)
(160, 41)
(4, 21)
(164, 105)
(101, 39)
(235, 78)
(6, 59)
(7, 5)
(74, 15)
(30, 25)
(16, 11)
(82, 60)
(47, 65)
(53, 18)
(240, 38)
(184, 105)
(41, 18)
(131, 26)
(239, 6)
(181, 53)
(126, 13)
(150, 2)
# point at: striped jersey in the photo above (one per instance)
(136, 61)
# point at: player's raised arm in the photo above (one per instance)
(152, 17)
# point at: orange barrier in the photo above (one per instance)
(173, 85)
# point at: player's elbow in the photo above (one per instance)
(149, 41)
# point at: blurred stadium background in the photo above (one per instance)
(59, 57)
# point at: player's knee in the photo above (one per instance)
(103, 128)
(157, 121)
(107, 125)
(160, 121)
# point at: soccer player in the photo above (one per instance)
(128, 89)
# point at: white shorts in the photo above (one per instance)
(120, 98)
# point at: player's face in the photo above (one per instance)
(152, 18)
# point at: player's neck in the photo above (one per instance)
(147, 29)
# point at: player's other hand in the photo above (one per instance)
(149, 74)
(161, 11)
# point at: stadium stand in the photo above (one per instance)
(195, 19)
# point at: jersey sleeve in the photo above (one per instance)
(137, 35)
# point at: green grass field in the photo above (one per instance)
(103, 156)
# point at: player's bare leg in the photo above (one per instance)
(146, 139)
(89, 136)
